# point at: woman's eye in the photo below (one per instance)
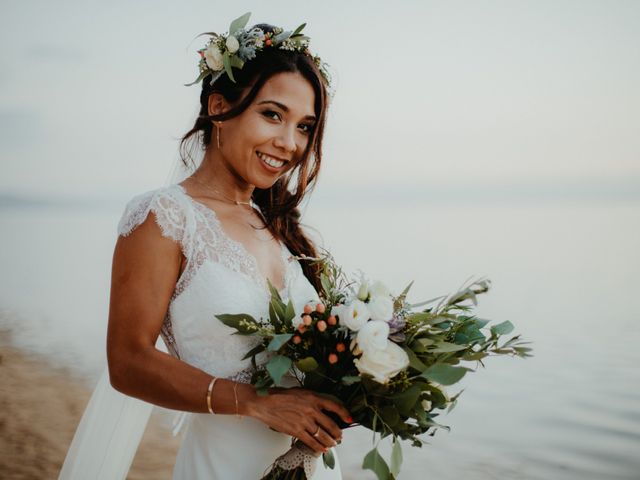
(271, 114)
(306, 128)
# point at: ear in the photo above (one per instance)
(217, 104)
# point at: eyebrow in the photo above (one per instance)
(282, 106)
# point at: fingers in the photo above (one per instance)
(338, 409)
(312, 442)
(329, 428)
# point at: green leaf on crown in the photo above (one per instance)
(239, 23)
(226, 61)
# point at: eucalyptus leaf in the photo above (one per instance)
(350, 380)
(307, 364)
(443, 347)
(277, 367)
(502, 328)
(239, 23)
(414, 361)
(374, 461)
(396, 457)
(278, 341)
(405, 401)
(444, 374)
(328, 459)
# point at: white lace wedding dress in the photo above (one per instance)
(221, 276)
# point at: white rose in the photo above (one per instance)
(379, 289)
(232, 44)
(381, 308)
(382, 365)
(353, 316)
(373, 336)
(213, 57)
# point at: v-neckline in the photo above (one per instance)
(240, 246)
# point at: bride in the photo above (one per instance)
(208, 245)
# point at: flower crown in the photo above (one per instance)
(223, 53)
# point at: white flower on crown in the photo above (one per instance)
(213, 57)
(232, 44)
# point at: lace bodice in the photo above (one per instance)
(220, 276)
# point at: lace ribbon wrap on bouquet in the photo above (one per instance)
(298, 456)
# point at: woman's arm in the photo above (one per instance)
(146, 266)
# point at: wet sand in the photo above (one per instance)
(40, 407)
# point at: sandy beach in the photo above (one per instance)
(41, 406)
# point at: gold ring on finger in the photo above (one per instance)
(317, 432)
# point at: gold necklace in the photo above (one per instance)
(211, 189)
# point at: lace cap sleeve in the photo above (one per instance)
(169, 214)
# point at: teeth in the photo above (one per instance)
(270, 161)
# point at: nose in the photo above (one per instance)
(286, 140)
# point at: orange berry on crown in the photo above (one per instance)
(267, 42)
(308, 309)
(321, 325)
(306, 319)
(341, 347)
(297, 339)
(333, 358)
(320, 308)
(332, 320)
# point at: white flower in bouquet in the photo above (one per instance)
(382, 365)
(353, 315)
(380, 308)
(379, 289)
(213, 57)
(373, 336)
(363, 290)
(232, 44)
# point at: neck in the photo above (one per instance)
(216, 173)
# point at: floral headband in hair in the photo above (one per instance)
(233, 50)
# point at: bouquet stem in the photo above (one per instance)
(297, 463)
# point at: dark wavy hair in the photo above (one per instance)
(279, 204)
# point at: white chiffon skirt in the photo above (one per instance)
(217, 447)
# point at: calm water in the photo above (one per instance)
(566, 274)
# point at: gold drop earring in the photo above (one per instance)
(218, 135)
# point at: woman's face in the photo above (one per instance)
(271, 135)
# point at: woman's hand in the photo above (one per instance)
(298, 412)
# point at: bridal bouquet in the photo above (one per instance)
(386, 360)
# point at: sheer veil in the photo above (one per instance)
(112, 425)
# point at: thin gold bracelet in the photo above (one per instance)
(209, 391)
(235, 394)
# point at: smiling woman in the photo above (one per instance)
(209, 245)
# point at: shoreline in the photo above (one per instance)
(40, 408)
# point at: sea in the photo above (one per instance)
(564, 271)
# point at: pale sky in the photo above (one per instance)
(430, 94)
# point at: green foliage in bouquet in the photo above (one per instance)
(391, 375)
